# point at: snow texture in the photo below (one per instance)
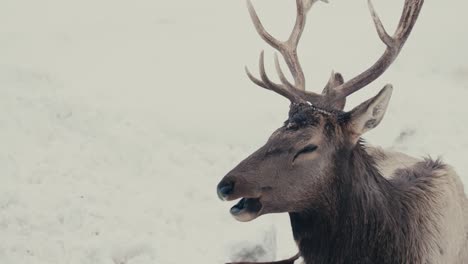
(118, 118)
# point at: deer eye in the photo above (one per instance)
(308, 149)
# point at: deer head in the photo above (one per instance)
(294, 169)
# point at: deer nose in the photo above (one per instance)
(225, 189)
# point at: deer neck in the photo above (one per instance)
(355, 219)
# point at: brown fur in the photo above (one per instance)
(342, 208)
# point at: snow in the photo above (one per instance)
(118, 119)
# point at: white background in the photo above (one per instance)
(118, 118)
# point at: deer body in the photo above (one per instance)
(415, 213)
(348, 203)
(450, 204)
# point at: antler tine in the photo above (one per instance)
(288, 49)
(299, 25)
(281, 75)
(384, 36)
(394, 45)
(406, 21)
(266, 83)
(260, 29)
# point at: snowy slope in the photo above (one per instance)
(118, 118)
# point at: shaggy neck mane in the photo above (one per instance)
(361, 218)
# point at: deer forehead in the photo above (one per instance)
(315, 117)
(316, 130)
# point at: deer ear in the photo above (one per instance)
(368, 115)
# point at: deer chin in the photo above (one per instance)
(247, 209)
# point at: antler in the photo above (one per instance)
(288, 49)
(394, 45)
(336, 91)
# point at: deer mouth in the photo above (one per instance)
(247, 209)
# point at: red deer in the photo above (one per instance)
(348, 202)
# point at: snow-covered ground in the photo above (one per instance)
(118, 118)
